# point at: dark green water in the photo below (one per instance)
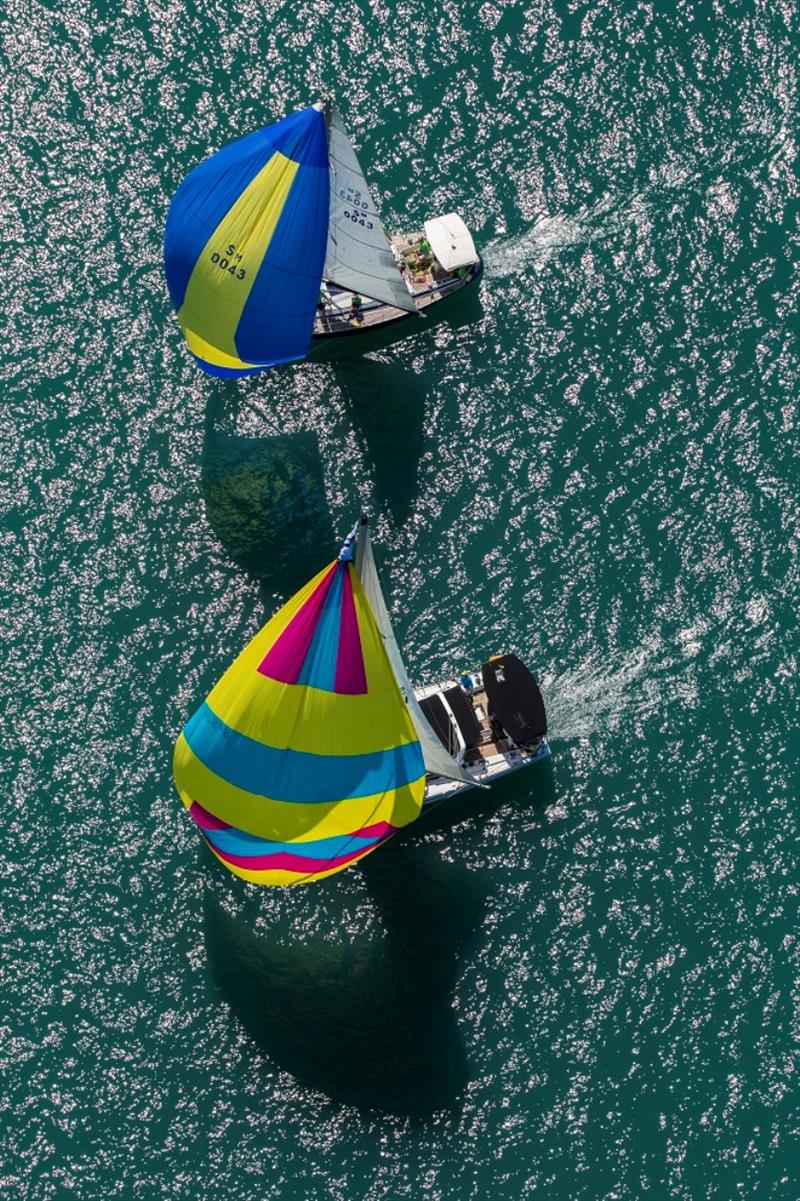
(586, 989)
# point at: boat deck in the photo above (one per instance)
(492, 758)
(428, 287)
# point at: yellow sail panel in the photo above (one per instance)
(380, 676)
(220, 285)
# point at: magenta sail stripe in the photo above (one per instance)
(284, 660)
(379, 830)
(206, 820)
(284, 861)
(350, 675)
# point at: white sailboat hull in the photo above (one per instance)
(487, 763)
(335, 317)
(492, 770)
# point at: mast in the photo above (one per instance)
(358, 254)
(438, 761)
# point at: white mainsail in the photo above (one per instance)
(358, 255)
(437, 760)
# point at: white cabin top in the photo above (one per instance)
(451, 242)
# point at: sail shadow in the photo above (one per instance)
(265, 500)
(368, 1021)
(386, 403)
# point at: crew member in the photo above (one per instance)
(355, 314)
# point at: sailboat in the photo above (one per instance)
(276, 240)
(313, 748)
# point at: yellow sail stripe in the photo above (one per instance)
(216, 295)
(306, 718)
(283, 821)
(278, 877)
(210, 354)
(381, 682)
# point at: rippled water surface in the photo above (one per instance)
(584, 989)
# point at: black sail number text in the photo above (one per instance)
(229, 260)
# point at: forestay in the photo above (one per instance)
(438, 762)
(358, 254)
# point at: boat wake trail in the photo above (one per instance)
(534, 248)
(598, 695)
(611, 214)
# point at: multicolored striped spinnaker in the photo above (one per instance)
(244, 247)
(303, 758)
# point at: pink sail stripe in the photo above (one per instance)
(379, 830)
(286, 862)
(350, 675)
(284, 660)
(206, 820)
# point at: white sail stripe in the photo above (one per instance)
(438, 761)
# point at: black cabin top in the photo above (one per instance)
(514, 698)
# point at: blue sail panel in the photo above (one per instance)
(244, 247)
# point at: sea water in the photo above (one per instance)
(579, 987)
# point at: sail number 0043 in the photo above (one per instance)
(358, 219)
(229, 261)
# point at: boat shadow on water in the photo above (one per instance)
(367, 1021)
(385, 393)
(265, 500)
(386, 404)
(366, 1017)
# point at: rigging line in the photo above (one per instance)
(378, 249)
(333, 159)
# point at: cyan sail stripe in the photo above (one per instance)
(238, 842)
(319, 666)
(283, 774)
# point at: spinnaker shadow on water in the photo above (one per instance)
(366, 1019)
(265, 500)
(385, 395)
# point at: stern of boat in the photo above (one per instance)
(464, 715)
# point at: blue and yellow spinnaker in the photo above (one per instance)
(244, 247)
